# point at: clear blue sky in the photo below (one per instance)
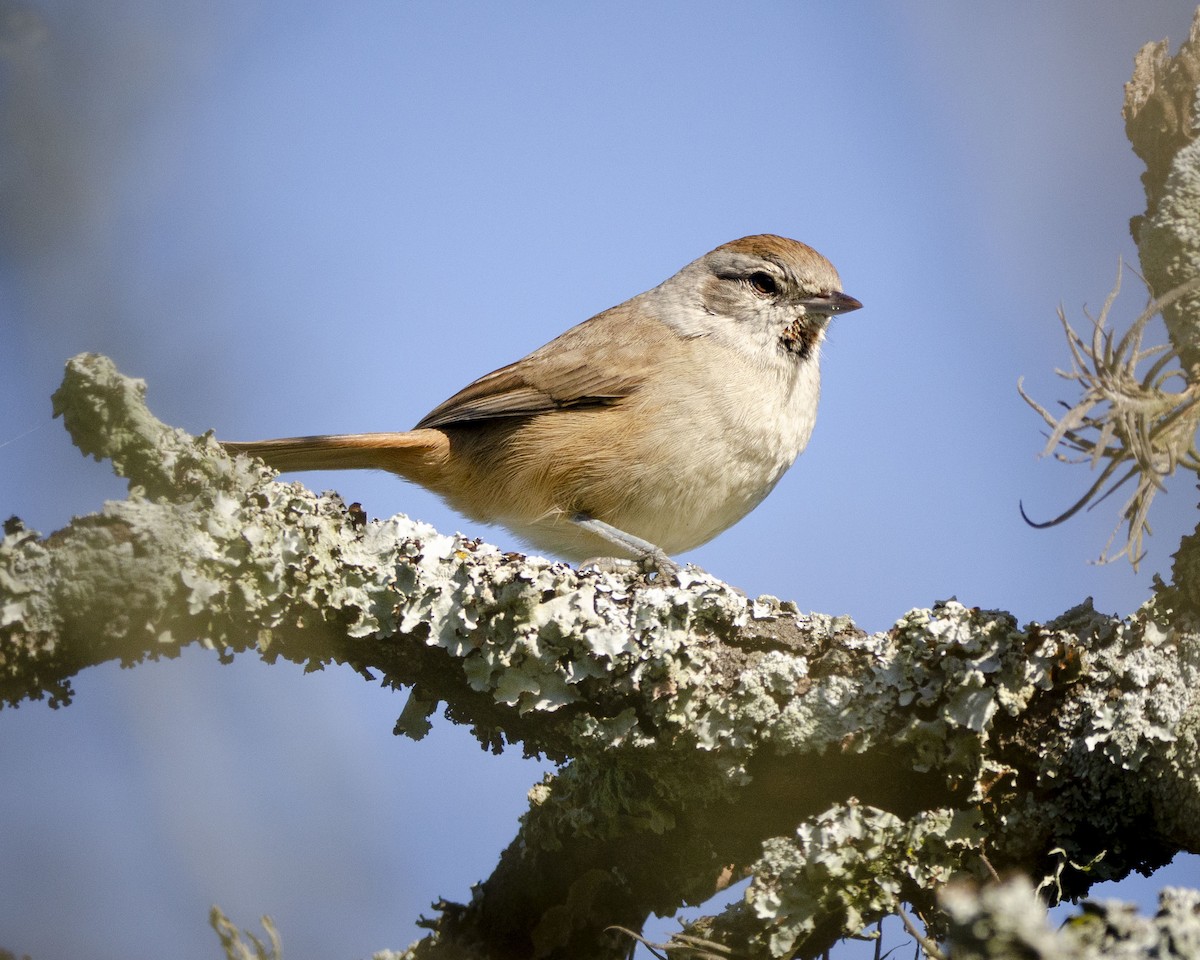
(301, 218)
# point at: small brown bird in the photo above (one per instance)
(647, 429)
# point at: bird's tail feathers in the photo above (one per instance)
(411, 454)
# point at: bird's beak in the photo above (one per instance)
(830, 303)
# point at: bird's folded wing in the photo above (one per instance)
(593, 364)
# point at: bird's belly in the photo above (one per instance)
(675, 476)
(704, 489)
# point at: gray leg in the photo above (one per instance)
(648, 555)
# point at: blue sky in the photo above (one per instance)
(304, 218)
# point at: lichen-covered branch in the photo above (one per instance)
(1162, 123)
(704, 735)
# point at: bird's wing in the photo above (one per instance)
(595, 363)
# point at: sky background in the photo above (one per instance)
(296, 218)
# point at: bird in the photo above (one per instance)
(640, 433)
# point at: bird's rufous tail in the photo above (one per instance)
(413, 454)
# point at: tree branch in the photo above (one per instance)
(705, 735)
(1161, 123)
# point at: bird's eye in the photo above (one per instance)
(763, 283)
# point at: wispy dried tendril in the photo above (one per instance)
(1129, 425)
(681, 946)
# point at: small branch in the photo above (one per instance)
(929, 946)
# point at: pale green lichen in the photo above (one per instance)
(1169, 245)
(851, 862)
(1005, 921)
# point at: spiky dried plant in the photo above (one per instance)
(1130, 425)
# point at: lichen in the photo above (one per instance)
(1005, 921)
(855, 863)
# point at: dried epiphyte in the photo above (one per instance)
(1129, 424)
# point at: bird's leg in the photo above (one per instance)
(650, 558)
